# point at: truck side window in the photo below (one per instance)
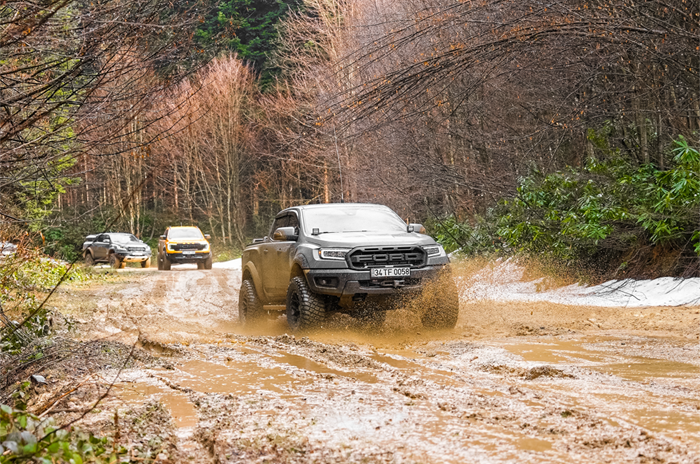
(293, 222)
(279, 222)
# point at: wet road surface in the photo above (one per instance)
(512, 383)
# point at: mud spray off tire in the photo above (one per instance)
(442, 306)
(305, 309)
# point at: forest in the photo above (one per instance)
(566, 129)
(551, 147)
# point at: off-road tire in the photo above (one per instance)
(89, 260)
(159, 262)
(305, 309)
(166, 263)
(250, 309)
(146, 264)
(208, 262)
(443, 310)
(114, 262)
(200, 265)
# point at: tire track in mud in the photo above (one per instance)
(396, 396)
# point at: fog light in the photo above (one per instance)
(327, 281)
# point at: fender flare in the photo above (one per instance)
(257, 282)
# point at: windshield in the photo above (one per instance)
(185, 233)
(352, 219)
(123, 238)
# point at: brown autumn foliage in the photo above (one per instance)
(433, 107)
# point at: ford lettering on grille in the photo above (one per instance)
(362, 258)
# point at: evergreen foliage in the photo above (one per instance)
(247, 27)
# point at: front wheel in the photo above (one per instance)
(166, 263)
(89, 261)
(208, 262)
(146, 264)
(305, 309)
(249, 307)
(115, 262)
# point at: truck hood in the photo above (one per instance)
(131, 244)
(355, 239)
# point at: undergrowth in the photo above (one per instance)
(25, 277)
(25, 437)
(609, 216)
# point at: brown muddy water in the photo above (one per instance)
(512, 383)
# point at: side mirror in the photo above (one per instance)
(162, 237)
(207, 236)
(285, 234)
(418, 228)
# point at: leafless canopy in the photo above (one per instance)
(73, 75)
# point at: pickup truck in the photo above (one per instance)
(359, 259)
(117, 249)
(184, 245)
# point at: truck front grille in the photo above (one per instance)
(366, 257)
(188, 246)
(136, 248)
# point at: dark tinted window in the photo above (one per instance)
(293, 221)
(279, 222)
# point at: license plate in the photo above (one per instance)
(390, 272)
(188, 252)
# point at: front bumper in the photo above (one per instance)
(181, 258)
(346, 283)
(132, 258)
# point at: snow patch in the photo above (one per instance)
(504, 282)
(233, 264)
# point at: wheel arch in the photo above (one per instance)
(297, 271)
(251, 272)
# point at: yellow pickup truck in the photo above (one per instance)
(184, 244)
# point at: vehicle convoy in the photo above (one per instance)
(117, 249)
(359, 259)
(184, 244)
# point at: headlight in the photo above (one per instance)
(170, 247)
(206, 247)
(436, 250)
(333, 253)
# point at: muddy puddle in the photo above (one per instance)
(592, 355)
(183, 412)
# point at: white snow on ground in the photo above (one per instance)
(233, 264)
(504, 282)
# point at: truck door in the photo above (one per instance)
(283, 259)
(100, 247)
(268, 253)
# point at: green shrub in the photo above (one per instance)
(602, 210)
(25, 437)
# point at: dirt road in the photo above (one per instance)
(512, 383)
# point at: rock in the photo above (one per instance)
(37, 379)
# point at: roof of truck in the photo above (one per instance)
(335, 205)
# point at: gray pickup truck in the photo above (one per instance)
(359, 259)
(117, 249)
